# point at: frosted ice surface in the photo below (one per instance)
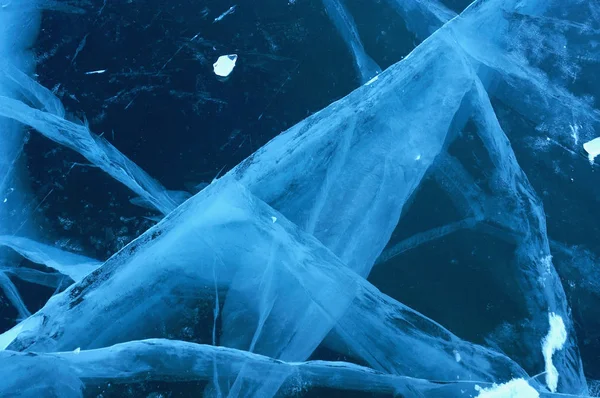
(160, 359)
(18, 28)
(278, 263)
(364, 139)
(313, 191)
(224, 65)
(516, 388)
(281, 298)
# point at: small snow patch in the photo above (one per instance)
(592, 148)
(225, 64)
(516, 388)
(554, 341)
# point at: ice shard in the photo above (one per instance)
(18, 29)
(315, 293)
(345, 173)
(422, 17)
(11, 292)
(345, 25)
(345, 122)
(96, 149)
(70, 264)
(178, 361)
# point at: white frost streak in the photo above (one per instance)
(554, 341)
(516, 388)
(231, 10)
(96, 72)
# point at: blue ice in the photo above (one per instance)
(270, 262)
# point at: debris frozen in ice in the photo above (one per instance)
(231, 10)
(516, 388)
(554, 341)
(96, 72)
(592, 148)
(224, 65)
(274, 219)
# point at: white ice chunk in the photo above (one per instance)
(457, 356)
(73, 265)
(516, 388)
(225, 64)
(554, 341)
(592, 148)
